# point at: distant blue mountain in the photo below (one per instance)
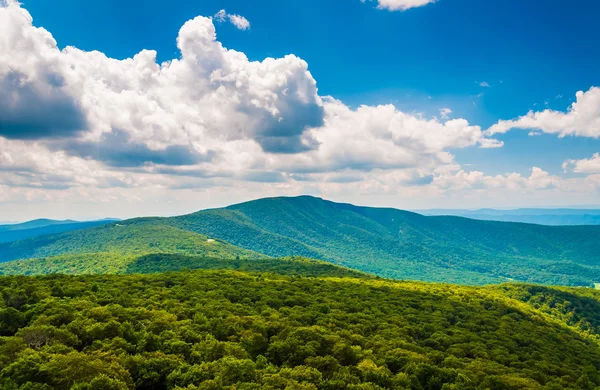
(42, 227)
(36, 223)
(552, 217)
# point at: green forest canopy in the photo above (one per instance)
(110, 263)
(238, 330)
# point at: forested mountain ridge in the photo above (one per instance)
(404, 245)
(123, 239)
(386, 242)
(225, 329)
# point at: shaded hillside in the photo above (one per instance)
(111, 263)
(224, 329)
(577, 308)
(286, 266)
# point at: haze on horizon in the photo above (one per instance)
(410, 105)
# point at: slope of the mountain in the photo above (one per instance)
(386, 242)
(37, 228)
(122, 239)
(577, 308)
(236, 330)
(112, 263)
(405, 245)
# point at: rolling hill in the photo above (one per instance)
(386, 242)
(120, 239)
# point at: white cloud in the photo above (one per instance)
(445, 113)
(401, 5)
(240, 22)
(383, 137)
(581, 119)
(485, 84)
(539, 183)
(221, 16)
(590, 165)
(209, 95)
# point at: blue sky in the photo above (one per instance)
(529, 52)
(485, 60)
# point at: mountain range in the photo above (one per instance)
(553, 217)
(382, 241)
(42, 227)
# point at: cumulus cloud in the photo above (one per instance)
(211, 108)
(35, 100)
(386, 136)
(485, 84)
(115, 149)
(537, 180)
(400, 5)
(240, 22)
(539, 186)
(32, 165)
(590, 165)
(378, 137)
(581, 119)
(209, 95)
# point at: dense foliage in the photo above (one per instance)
(110, 263)
(385, 242)
(233, 330)
(577, 308)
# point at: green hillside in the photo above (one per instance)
(123, 238)
(234, 330)
(578, 308)
(385, 242)
(111, 263)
